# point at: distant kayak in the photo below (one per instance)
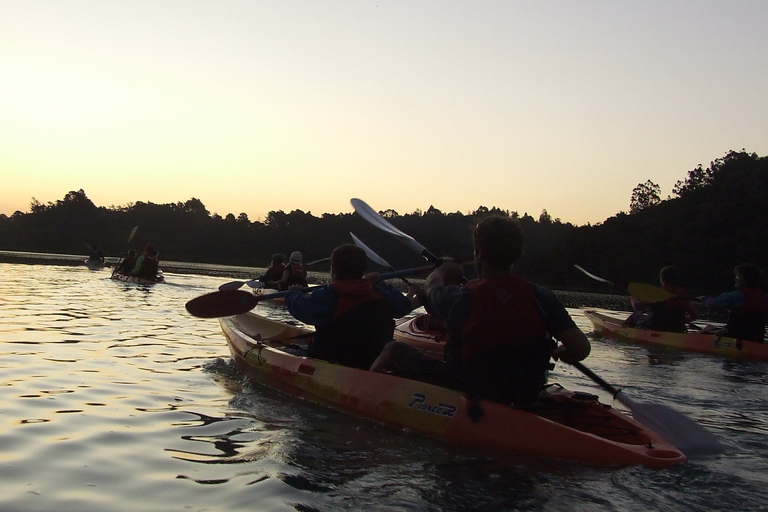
(707, 343)
(139, 280)
(95, 264)
(562, 424)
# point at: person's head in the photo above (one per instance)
(348, 261)
(669, 275)
(296, 257)
(747, 275)
(131, 253)
(150, 249)
(498, 241)
(278, 259)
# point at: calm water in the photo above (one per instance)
(115, 399)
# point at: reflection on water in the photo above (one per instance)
(114, 398)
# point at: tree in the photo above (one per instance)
(698, 178)
(644, 195)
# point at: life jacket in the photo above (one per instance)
(747, 322)
(127, 265)
(297, 274)
(274, 273)
(504, 347)
(149, 267)
(361, 326)
(669, 315)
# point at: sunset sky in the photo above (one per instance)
(253, 106)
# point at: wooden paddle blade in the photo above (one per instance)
(648, 292)
(688, 436)
(222, 303)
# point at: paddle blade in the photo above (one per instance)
(222, 303)
(688, 436)
(648, 292)
(255, 284)
(232, 285)
(370, 215)
(133, 232)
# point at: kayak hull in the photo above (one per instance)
(139, 280)
(568, 426)
(610, 327)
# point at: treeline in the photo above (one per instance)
(717, 219)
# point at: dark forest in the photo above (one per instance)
(716, 218)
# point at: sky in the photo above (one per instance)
(257, 106)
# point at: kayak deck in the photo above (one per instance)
(707, 343)
(563, 425)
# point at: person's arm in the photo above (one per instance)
(575, 345)
(316, 308)
(727, 300)
(691, 311)
(400, 304)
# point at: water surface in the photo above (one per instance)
(113, 398)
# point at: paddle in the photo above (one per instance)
(651, 293)
(235, 302)
(370, 215)
(375, 257)
(688, 436)
(641, 291)
(236, 285)
(120, 259)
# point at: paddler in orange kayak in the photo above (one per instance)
(353, 315)
(748, 305)
(499, 325)
(671, 315)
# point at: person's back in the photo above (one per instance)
(498, 334)
(748, 305)
(147, 265)
(353, 318)
(127, 265)
(275, 271)
(294, 274)
(671, 315)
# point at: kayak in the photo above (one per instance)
(562, 425)
(707, 343)
(421, 332)
(139, 280)
(95, 264)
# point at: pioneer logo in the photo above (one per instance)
(420, 402)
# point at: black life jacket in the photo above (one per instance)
(358, 333)
(149, 267)
(504, 360)
(747, 322)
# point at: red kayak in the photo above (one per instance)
(562, 425)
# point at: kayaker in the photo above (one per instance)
(294, 273)
(498, 345)
(274, 272)
(748, 305)
(147, 264)
(95, 254)
(671, 315)
(353, 315)
(127, 265)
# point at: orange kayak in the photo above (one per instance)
(563, 425)
(711, 343)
